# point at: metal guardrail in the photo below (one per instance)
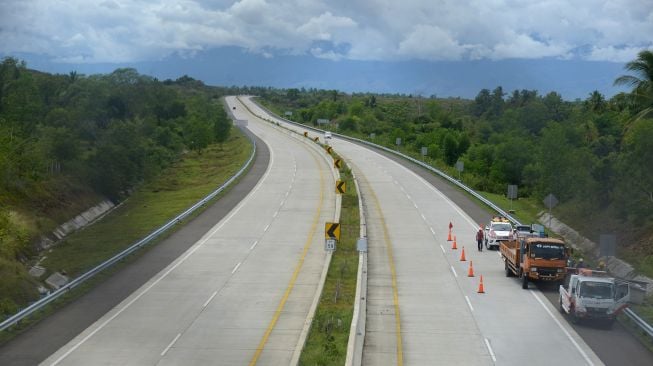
(38, 305)
(641, 323)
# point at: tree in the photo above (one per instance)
(641, 82)
(595, 102)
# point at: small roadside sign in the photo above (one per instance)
(550, 201)
(341, 186)
(305, 134)
(330, 245)
(337, 163)
(329, 149)
(316, 139)
(332, 230)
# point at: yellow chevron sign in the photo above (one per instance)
(337, 163)
(332, 230)
(341, 186)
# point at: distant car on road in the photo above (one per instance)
(327, 135)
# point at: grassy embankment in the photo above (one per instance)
(329, 334)
(149, 207)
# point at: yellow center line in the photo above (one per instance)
(395, 294)
(293, 279)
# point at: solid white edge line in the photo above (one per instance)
(454, 271)
(236, 268)
(469, 303)
(573, 341)
(432, 231)
(443, 251)
(253, 245)
(170, 345)
(489, 348)
(267, 227)
(275, 214)
(209, 300)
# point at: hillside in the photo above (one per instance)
(70, 141)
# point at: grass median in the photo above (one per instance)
(327, 340)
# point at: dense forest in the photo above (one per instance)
(595, 155)
(68, 141)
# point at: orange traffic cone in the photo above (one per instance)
(481, 290)
(454, 246)
(462, 255)
(449, 236)
(470, 272)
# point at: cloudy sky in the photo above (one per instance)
(78, 32)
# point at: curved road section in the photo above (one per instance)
(423, 309)
(241, 294)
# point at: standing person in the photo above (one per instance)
(479, 239)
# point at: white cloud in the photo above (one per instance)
(430, 43)
(135, 30)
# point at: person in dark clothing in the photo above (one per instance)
(479, 239)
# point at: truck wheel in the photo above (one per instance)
(524, 281)
(486, 246)
(508, 271)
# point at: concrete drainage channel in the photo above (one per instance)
(644, 327)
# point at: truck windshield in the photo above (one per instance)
(547, 251)
(596, 290)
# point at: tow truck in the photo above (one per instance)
(593, 295)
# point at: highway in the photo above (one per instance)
(241, 291)
(422, 307)
(241, 294)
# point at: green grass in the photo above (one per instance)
(327, 341)
(150, 206)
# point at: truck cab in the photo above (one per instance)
(594, 296)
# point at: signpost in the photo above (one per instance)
(331, 235)
(607, 245)
(398, 141)
(424, 150)
(460, 166)
(512, 194)
(550, 202)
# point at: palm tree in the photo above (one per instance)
(641, 82)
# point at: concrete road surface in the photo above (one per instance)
(239, 295)
(422, 306)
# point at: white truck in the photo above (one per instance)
(594, 296)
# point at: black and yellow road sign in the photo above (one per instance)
(316, 139)
(305, 134)
(337, 163)
(329, 149)
(341, 186)
(332, 230)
